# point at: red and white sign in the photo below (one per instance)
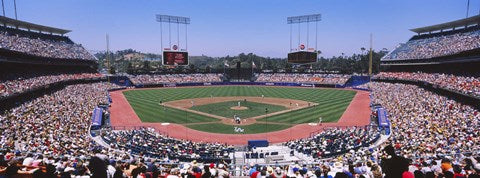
(302, 47)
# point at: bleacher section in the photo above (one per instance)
(332, 79)
(174, 78)
(357, 80)
(41, 45)
(446, 39)
(160, 146)
(39, 40)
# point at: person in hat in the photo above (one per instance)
(253, 168)
(269, 172)
(255, 172)
(325, 171)
(174, 173)
(393, 165)
(111, 167)
(119, 172)
(222, 171)
(376, 173)
(206, 172)
(213, 171)
(278, 173)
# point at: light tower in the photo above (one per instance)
(304, 54)
(175, 54)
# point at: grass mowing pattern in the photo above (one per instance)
(332, 104)
(223, 109)
(151, 111)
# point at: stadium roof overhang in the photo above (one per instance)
(474, 20)
(31, 26)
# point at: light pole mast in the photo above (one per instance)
(107, 57)
(370, 56)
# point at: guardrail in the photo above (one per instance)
(338, 128)
(137, 128)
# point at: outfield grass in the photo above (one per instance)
(223, 109)
(332, 104)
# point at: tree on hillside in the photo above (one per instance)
(356, 63)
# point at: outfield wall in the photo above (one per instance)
(239, 83)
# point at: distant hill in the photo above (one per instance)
(132, 61)
(129, 54)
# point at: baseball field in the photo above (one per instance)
(260, 109)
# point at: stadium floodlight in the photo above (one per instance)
(304, 18)
(173, 19)
(176, 55)
(303, 54)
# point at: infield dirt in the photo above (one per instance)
(290, 104)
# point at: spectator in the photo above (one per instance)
(393, 165)
(45, 46)
(437, 45)
(176, 78)
(303, 78)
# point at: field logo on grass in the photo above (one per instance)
(238, 130)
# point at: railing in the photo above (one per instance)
(138, 128)
(338, 128)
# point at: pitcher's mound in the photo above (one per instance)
(238, 108)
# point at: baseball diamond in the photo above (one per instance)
(208, 109)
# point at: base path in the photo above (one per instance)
(123, 116)
(290, 104)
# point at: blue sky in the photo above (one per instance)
(229, 27)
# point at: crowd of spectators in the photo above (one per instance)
(336, 141)
(437, 45)
(467, 85)
(427, 125)
(100, 164)
(303, 78)
(432, 136)
(48, 137)
(26, 42)
(176, 78)
(55, 124)
(149, 143)
(14, 83)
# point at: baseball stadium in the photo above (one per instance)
(177, 89)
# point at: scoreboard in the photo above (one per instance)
(175, 58)
(302, 57)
